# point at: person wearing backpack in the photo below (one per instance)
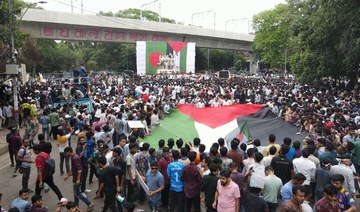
(24, 158)
(45, 146)
(26, 109)
(45, 173)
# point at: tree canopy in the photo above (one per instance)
(319, 38)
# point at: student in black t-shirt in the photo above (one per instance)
(109, 183)
(121, 165)
(283, 167)
(208, 186)
(80, 150)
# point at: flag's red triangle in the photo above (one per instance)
(217, 116)
(177, 46)
(240, 136)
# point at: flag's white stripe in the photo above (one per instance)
(177, 60)
(141, 57)
(210, 135)
(190, 58)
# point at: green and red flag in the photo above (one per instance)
(148, 54)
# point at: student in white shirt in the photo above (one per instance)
(305, 166)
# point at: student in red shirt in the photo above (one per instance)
(40, 180)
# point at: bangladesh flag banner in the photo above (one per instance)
(243, 121)
(149, 54)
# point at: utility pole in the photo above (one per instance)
(152, 2)
(14, 64)
(159, 12)
(12, 68)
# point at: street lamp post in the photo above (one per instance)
(205, 12)
(152, 2)
(159, 12)
(13, 56)
(192, 23)
(28, 7)
(233, 20)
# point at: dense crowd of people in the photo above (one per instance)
(319, 173)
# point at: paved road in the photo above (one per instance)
(9, 186)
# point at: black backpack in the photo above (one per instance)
(49, 166)
(26, 111)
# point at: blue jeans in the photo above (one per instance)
(46, 132)
(78, 195)
(31, 140)
(154, 204)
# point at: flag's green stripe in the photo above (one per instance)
(173, 126)
(246, 130)
(183, 55)
(151, 47)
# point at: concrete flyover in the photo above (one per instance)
(46, 24)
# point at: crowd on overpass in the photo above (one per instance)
(321, 172)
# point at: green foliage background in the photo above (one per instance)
(317, 38)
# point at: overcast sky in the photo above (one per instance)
(226, 12)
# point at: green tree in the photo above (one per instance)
(321, 38)
(221, 59)
(329, 45)
(55, 56)
(201, 59)
(272, 35)
(240, 62)
(26, 47)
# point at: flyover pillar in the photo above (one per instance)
(254, 65)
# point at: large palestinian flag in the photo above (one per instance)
(243, 121)
(149, 52)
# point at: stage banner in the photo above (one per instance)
(176, 56)
(83, 101)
